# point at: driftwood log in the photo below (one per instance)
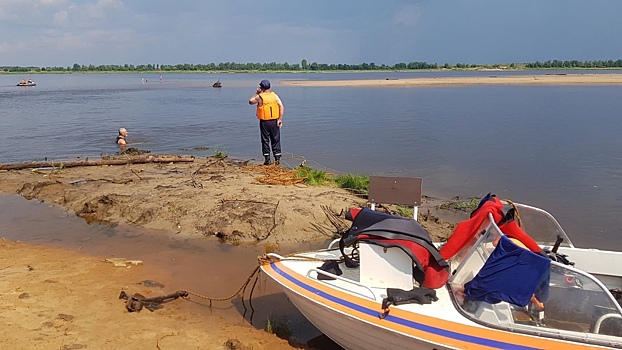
(77, 163)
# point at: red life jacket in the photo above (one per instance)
(431, 270)
(466, 230)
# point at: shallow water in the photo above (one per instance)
(555, 147)
(200, 265)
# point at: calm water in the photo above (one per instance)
(556, 147)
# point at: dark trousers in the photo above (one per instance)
(270, 134)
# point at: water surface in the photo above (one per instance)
(556, 147)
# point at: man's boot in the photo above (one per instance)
(267, 161)
(277, 160)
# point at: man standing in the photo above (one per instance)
(270, 114)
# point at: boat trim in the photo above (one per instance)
(400, 318)
(322, 272)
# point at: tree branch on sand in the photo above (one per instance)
(150, 159)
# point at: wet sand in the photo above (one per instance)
(58, 289)
(492, 79)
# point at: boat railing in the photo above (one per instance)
(603, 318)
(333, 276)
(332, 243)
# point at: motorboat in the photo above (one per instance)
(497, 289)
(27, 84)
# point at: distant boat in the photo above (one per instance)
(217, 84)
(27, 84)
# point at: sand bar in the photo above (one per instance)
(553, 79)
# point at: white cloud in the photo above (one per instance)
(18, 46)
(61, 18)
(88, 15)
(101, 8)
(52, 2)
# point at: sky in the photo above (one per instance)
(45, 33)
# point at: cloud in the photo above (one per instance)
(18, 46)
(20, 10)
(90, 14)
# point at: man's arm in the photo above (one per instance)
(281, 111)
(255, 99)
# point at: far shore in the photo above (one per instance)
(552, 79)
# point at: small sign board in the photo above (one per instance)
(395, 190)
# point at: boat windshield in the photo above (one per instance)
(541, 225)
(574, 304)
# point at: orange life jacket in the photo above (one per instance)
(269, 108)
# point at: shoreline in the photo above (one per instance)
(553, 79)
(68, 297)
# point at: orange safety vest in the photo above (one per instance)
(269, 108)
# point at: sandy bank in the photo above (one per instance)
(568, 79)
(57, 298)
(207, 197)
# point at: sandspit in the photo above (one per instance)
(540, 79)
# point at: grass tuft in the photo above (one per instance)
(278, 326)
(405, 211)
(220, 153)
(466, 206)
(313, 177)
(356, 183)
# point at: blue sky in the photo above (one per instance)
(64, 32)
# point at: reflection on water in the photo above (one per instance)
(200, 265)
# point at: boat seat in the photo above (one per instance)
(395, 190)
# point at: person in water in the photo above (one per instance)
(270, 114)
(121, 138)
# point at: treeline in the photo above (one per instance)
(306, 66)
(575, 64)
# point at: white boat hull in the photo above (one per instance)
(352, 333)
(352, 320)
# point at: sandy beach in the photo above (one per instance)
(492, 79)
(60, 298)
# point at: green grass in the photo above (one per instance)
(469, 205)
(405, 211)
(278, 326)
(313, 177)
(220, 153)
(356, 183)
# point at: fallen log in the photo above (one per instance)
(58, 164)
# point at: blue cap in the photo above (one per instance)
(265, 84)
